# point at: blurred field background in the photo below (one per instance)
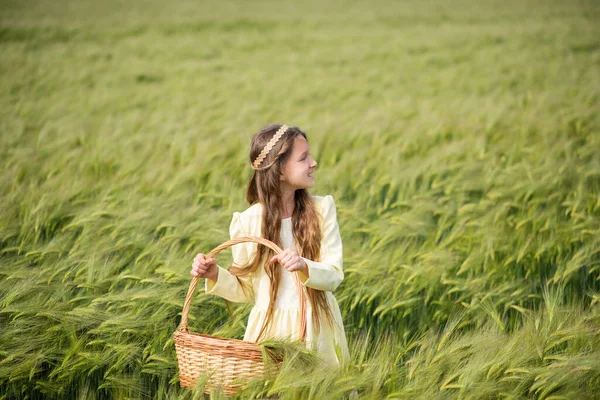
(460, 140)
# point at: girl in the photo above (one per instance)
(282, 211)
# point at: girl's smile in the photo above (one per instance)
(299, 168)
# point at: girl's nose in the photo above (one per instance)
(314, 163)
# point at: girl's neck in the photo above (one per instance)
(287, 204)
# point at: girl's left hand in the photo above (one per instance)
(291, 261)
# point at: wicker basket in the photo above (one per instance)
(226, 362)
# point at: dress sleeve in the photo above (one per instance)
(228, 286)
(328, 273)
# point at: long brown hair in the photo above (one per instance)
(264, 188)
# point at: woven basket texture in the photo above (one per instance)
(226, 363)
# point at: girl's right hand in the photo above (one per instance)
(205, 267)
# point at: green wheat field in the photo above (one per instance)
(460, 140)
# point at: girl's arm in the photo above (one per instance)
(228, 286)
(328, 273)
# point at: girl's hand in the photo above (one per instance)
(291, 261)
(205, 267)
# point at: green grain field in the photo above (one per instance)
(460, 140)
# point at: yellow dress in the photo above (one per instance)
(325, 274)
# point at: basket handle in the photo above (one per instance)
(183, 326)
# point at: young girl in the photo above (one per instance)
(305, 227)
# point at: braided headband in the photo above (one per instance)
(269, 146)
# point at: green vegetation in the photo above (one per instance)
(461, 142)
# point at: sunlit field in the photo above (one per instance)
(459, 139)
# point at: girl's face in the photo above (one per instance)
(297, 172)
